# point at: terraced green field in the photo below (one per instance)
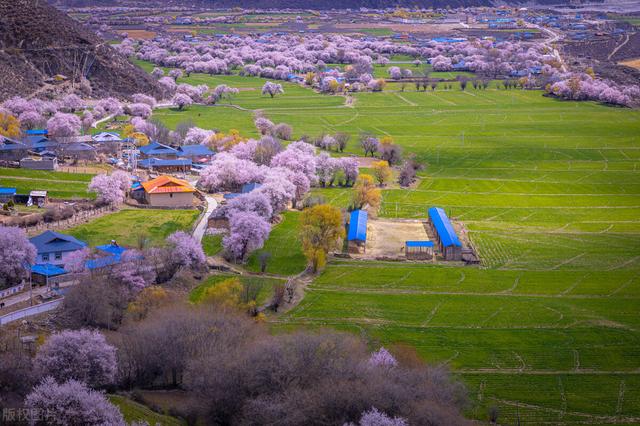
(549, 193)
(58, 184)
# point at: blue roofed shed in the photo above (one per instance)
(418, 250)
(47, 270)
(446, 237)
(7, 194)
(357, 235)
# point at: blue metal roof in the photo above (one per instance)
(194, 150)
(113, 249)
(358, 226)
(36, 132)
(7, 144)
(159, 162)
(135, 186)
(443, 227)
(248, 187)
(231, 196)
(47, 269)
(8, 191)
(50, 241)
(419, 243)
(101, 262)
(156, 148)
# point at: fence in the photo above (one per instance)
(11, 291)
(79, 217)
(30, 311)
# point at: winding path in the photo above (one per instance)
(198, 231)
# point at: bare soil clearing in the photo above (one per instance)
(386, 238)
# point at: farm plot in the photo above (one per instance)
(58, 184)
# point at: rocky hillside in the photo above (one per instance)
(38, 42)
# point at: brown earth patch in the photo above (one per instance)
(140, 34)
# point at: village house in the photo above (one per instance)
(168, 191)
(12, 150)
(162, 165)
(159, 151)
(54, 248)
(106, 137)
(196, 153)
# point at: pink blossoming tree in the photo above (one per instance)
(74, 403)
(16, 254)
(82, 355)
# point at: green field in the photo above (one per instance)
(284, 246)
(58, 184)
(549, 192)
(135, 412)
(212, 244)
(129, 225)
(264, 286)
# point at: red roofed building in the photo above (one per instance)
(167, 191)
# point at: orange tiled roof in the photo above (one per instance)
(167, 184)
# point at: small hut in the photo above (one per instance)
(357, 235)
(418, 250)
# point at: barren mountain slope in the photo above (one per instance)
(38, 42)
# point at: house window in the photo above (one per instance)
(45, 257)
(170, 195)
(58, 255)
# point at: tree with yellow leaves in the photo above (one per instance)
(9, 126)
(321, 231)
(382, 172)
(233, 294)
(140, 138)
(225, 141)
(308, 78)
(149, 298)
(365, 193)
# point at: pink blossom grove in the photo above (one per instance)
(16, 254)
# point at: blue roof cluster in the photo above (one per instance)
(358, 226)
(443, 227)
